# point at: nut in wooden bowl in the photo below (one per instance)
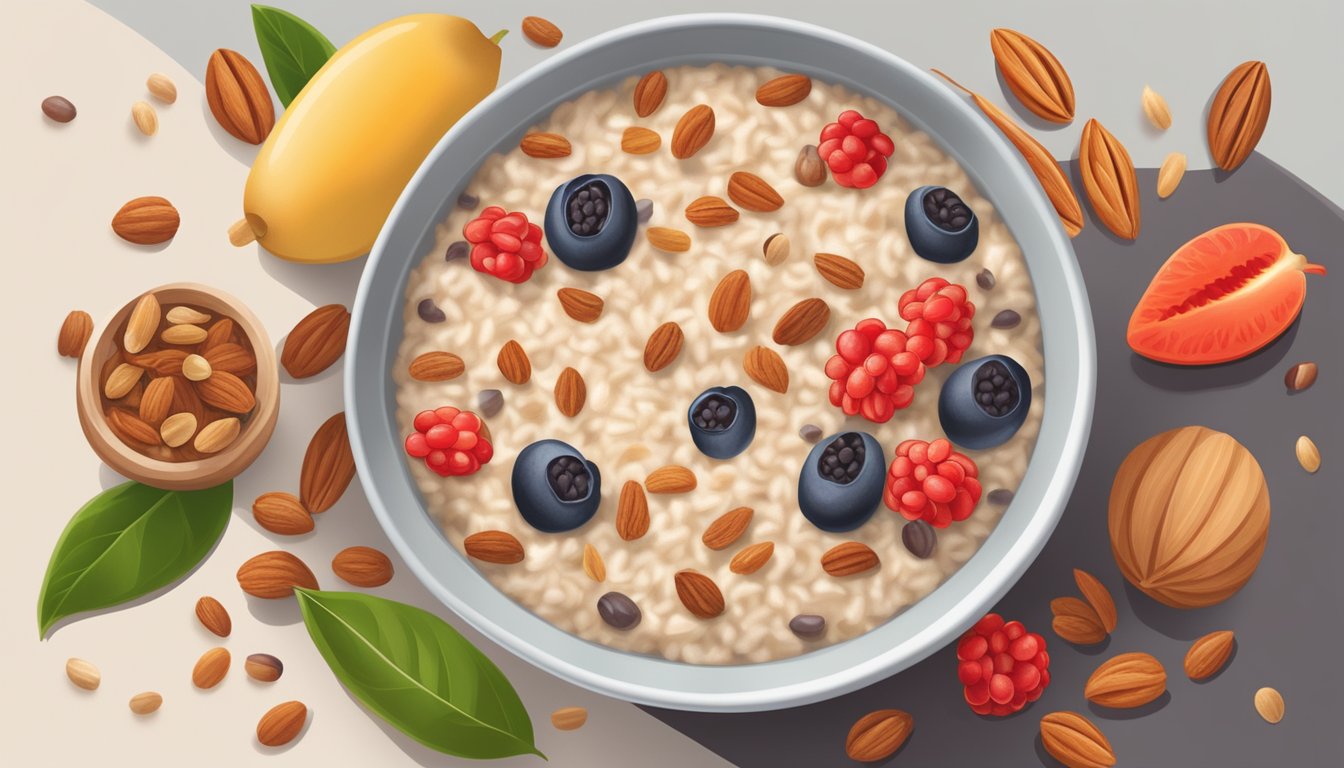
(136, 440)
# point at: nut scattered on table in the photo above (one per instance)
(83, 674)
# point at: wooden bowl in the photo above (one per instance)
(180, 475)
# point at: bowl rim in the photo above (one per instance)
(181, 475)
(905, 639)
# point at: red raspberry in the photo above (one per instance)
(855, 150)
(873, 373)
(1002, 666)
(504, 244)
(931, 482)
(940, 315)
(450, 441)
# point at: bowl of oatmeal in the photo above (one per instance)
(722, 362)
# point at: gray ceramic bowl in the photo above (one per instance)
(496, 124)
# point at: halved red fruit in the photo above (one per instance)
(1220, 297)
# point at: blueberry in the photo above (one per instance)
(984, 402)
(554, 487)
(940, 226)
(590, 222)
(722, 421)
(841, 481)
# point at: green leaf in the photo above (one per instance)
(127, 542)
(292, 49)
(417, 673)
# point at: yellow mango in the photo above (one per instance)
(330, 171)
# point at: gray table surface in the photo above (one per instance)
(1287, 619)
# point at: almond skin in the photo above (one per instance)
(316, 342)
(580, 304)
(710, 211)
(766, 367)
(848, 558)
(1238, 114)
(1209, 654)
(75, 333)
(146, 703)
(226, 392)
(146, 221)
(730, 304)
(1098, 597)
(668, 240)
(282, 513)
(263, 667)
(274, 575)
(497, 547)
(649, 93)
(131, 428)
(1109, 180)
(877, 735)
(237, 96)
(1034, 75)
(513, 363)
(570, 392)
(699, 594)
(213, 616)
(1076, 622)
(436, 366)
(211, 668)
(693, 131)
(1126, 681)
(671, 478)
(541, 31)
(632, 512)
(593, 565)
(802, 322)
(362, 566)
(230, 358)
(217, 435)
(328, 466)
(753, 193)
(752, 558)
(727, 528)
(784, 91)
(282, 723)
(569, 718)
(839, 271)
(1074, 741)
(637, 140)
(663, 346)
(545, 146)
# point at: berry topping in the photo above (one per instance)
(855, 150)
(931, 482)
(1002, 666)
(450, 441)
(842, 459)
(874, 372)
(939, 315)
(715, 413)
(504, 245)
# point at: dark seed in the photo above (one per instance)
(58, 108)
(810, 433)
(458, 250)
(643, 210)
(1006, 319)
(468, 202)
(946, 210)
(490, 401)
(985, 280)
(808, 626)
(1000, 497)
(430, 312)
(920, 538)
(842, 460)
(618, 611)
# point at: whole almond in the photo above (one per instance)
(541, 31)
(513, 362)
(185, 399)
(274, 575)
(1300, 376)
(1155, 107)
(632, 512)
(802, 322)
(183, 334)
(668, 240)
(436, 366)
(775, 249)
(362, 566)
(221, 332)
(282, 513)
(766, 367)
(213, 616)
(237, 97)
(497, 547)
(545, 146)
(1269, 703)
(784, 91)
(83, 674)
(157, 401)
(877, 735)
(839, 271)
(693, 131)
(727, 528)
(672, 478)
(663, 346)
(1126, 681)
(710, 211)
(227, 393)
(146, 703)
(1034, 75)
(217, 435)
(637, 140)
(848, 558)
(142, 324)
(570, 392)
(282, 723)
(699, 594)
(593, 565)
(186, 315)
(161, 87)
(1074, 741)
(753, 193)
(328, 466)
(131, 428)
(809, 169)
(1308, 455)
(75, 333)
(263, 667)
(1170, 174)
(752, 558)
(197, 368)
(1098, 597)
(1238, 114)
(146, 221)
(730, 303)
(569, 718)
(1109, 180)
(1209, 654)
(145, 118)
(580, 304)
(177, 429)
(122, 380)
(165, 362)
(1076, 622)
(317, 341)
(230, 358)
(211, 668)
(650, 92)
